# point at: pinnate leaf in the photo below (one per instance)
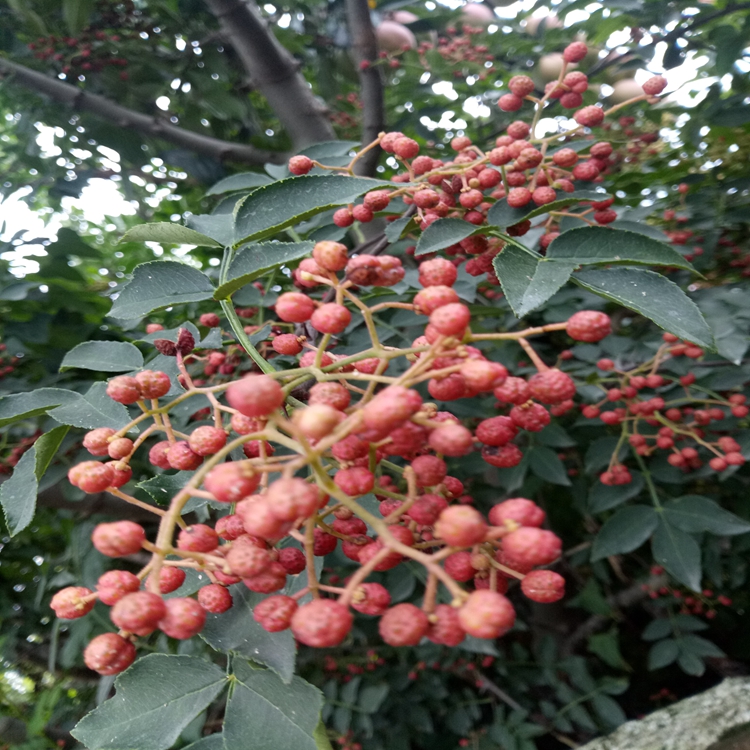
(627, 530)
(104, 356)
(165, 231)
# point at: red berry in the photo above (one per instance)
(343, 217)
(330, 394)
(215, 598)
(433, 297)
(232, 482)
(519, 197)
(575, 52)
(205, 440)
(139, 612)
(118, 539)
(544, 586)
(332, 256)
(355, 481)
(157, 456)
(430, 470)
(655, 85)
(120, 448)
(181, 456)
(519, 509)
(458, 566)
(403, 625)
(530, 546)
(331, 318)
(371, 599)
(405, 148)
(521, 85)
(451, 439)
(321, 623)
(513, 391)
(290, 499)
(510, 103)
(294, 307)
(109, 653)
(91, 476)
(210, 320)
(259, 520)
(589, 325)
(114, 584)
(486, 614)
(124, 389)
(589, 117)
(198, 538)
(551, 386)
(451, 320)
(299, 165)
(503, 457)
(170, 578)
(274, 613)
(184, 618)
(271, 579)
(96, 442)
(445, 627)
(461, 526)
(292, 559)
(255, 395)
(530, 416)
(69, 604)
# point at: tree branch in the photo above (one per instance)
(274, 72)
(127, 118)
(365, 51)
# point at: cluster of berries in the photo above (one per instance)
(704, 604)
(659, 412)
(7, 362)
(12, 453)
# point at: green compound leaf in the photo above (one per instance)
(652, 295)
(592, 245)
(502, 215)
(286, 202)
(528, 281)
(103, 356)
(235, 630)
(94, 409)
(253, 261)
(678, 553)
(241, 181)
(627, 530)
(159, 284)
(263, 713)
(32, 404)
(164, 231)
(155, 700)
(696, 514)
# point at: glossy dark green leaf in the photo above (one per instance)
(235, 630)
(546, 465)
(155, 700)
(264, 713)
(287, 202)
(165, 231)
(662, 654)
(241, 181)
(92, 409)
(159, 284)
(32, 404)
(695, 514)
(528, 282)
(640, 227)
(627, 530)
(444, 233)
(595, 245)
(678, 553)
(651, 295)
(253, 261)
(657, 629)
(103, 356)
(604, 497)
(502, 215)
(18, 494)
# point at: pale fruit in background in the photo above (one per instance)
(549, 66)
(550, 22)
(405, 16)
(393, 36)
(477, 14)
(624, 90)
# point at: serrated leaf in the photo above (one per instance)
(696, 514)
(662, 654)
(155, 700)
(263, 713)
(103, 356)
(605, 497)
(653, 296)
(627, 530)
(159, 284)
(252, 261)
(444, 233)
(528, 282)
(546, 465)
(395, 229)
(165, 231)
(678, 553)
(241, 181)
(93, 409)
(640, 228)
(286, 202)
(593, 245)
(502, 215)
(235, 630)
(27, 405)
(694, 644)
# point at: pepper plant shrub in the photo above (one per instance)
(408, 441)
